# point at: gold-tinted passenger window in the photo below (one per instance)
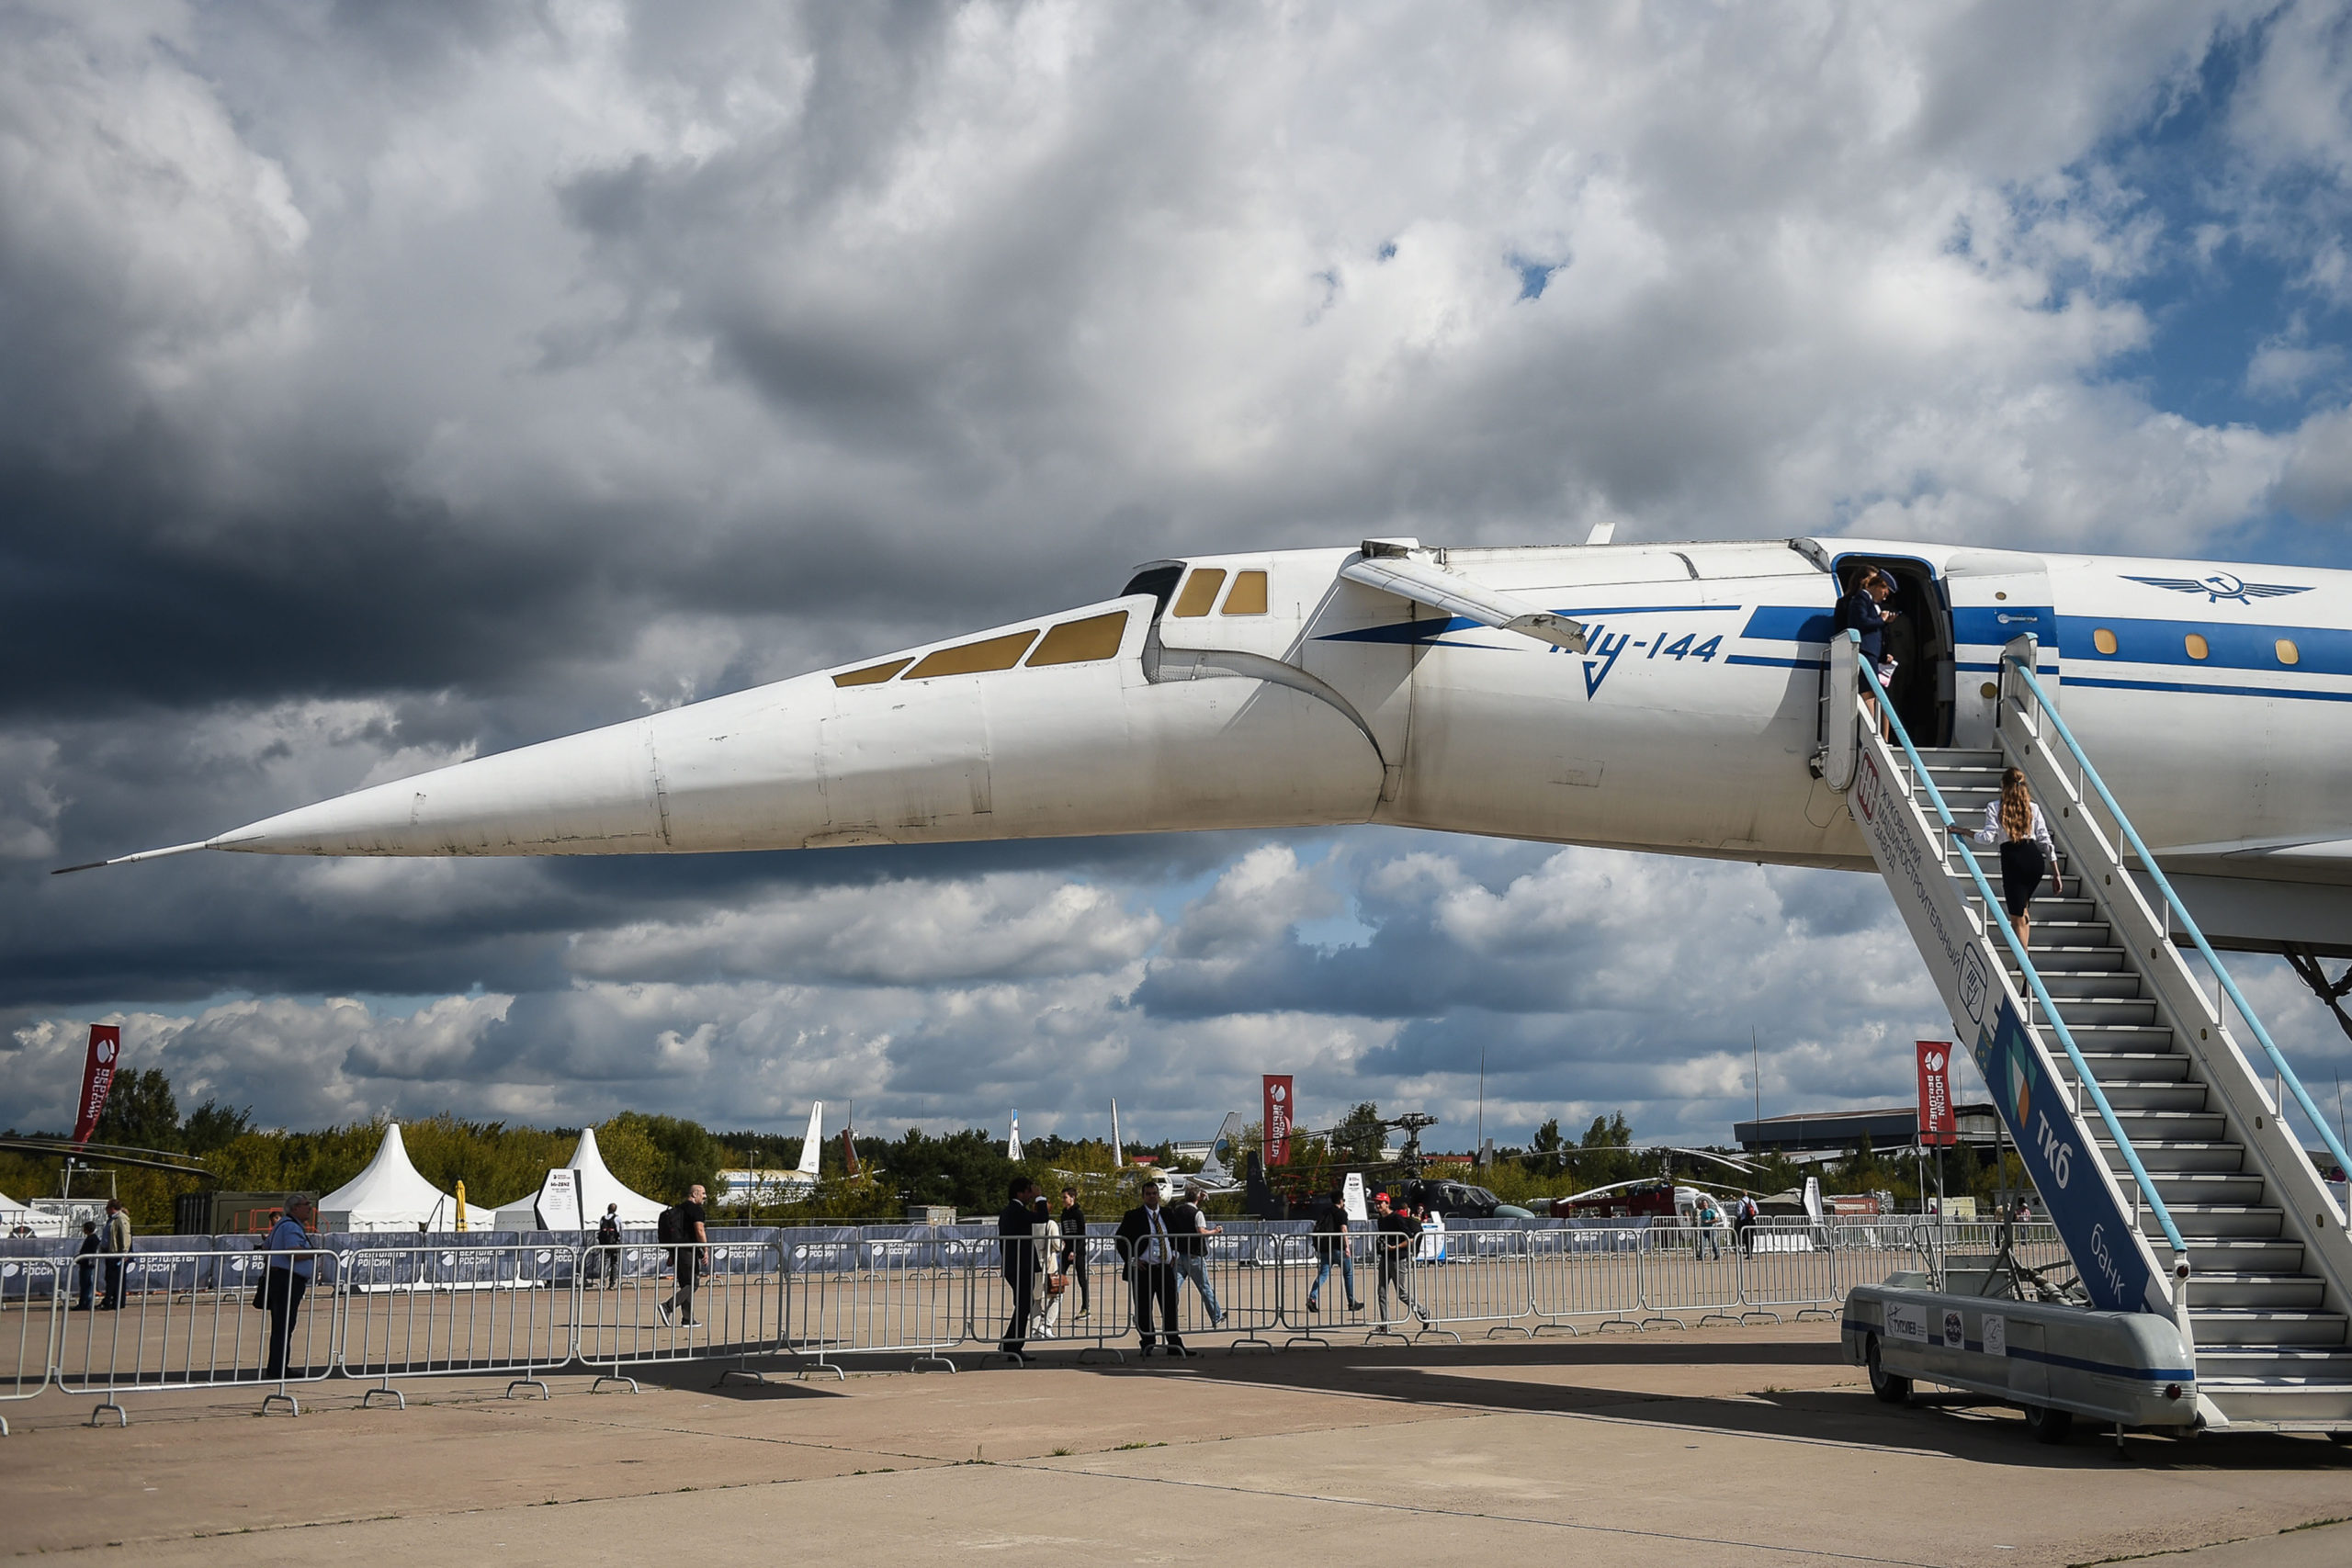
(1200, 591)
(1248, 595)
(1081, 642)
(873, 674)
(972, 658)
(2104, 640)
(2196, 646)
(2288, 652)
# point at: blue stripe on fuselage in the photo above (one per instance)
(1790, 623)
(1429, 631)
(2319, 650)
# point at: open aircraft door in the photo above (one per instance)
(1995, 597)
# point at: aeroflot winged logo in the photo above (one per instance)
(2220, 585)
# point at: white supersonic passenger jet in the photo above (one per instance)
(1693, 699)
(1654, 697)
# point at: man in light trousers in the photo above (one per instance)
(1192, 1250)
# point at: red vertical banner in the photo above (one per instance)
(97, 1078)
(1277, 1118)
(1938, 1124)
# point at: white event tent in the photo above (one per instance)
(391, 1195)
(13, 1214)
(598, 1186)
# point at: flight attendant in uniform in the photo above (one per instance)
(2015, 822)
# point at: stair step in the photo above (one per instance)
(2112, 1036)
(2318, 1363)
(2164, 1127)
(2051, 957)
(2258, 1220)
(2309, 1404)
(2144, 1094)
(2176, 1187)
(2255, 1290)
(2053, 932)
(2172, 1126)
(2104, 1012)
(2066, 986)
(2160, 1154)
(2249, 1255)
(2262, 1328)
(2113, 1068)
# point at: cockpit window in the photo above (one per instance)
(972, 658)
(1200, 591)
(1081, 642)
(1248, 595)
(1160, 582)
(873, 674)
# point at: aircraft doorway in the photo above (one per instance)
(1918, 639)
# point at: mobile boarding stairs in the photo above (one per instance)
(2212, 1268)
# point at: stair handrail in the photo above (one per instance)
(2180, 911)
(2083, 1074)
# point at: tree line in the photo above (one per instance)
(661, 1156)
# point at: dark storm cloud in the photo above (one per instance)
(382, 386)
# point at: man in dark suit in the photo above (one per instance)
(1148, 1247)
(1016, 1229)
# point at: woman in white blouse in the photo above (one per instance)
(2014, 823)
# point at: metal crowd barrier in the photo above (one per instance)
(1686, 1268)
(180, 1320)
(430, 1311)
(37, 1311)
(991, 1293)
(527, 1307)
(1585, 1273)
(1324, 1279)
(689, 1302)
(891, 1297)
(1480, 1278)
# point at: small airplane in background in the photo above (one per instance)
(793, 1186)
(1214, 1177)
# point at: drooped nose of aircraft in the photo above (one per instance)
(598, 793)
(1060, 726)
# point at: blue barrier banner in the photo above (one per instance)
(28, 1268)
(2099, 1235)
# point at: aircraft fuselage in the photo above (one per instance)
(1267, 690)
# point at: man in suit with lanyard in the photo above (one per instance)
(1148, 1247)
(1016, 1228)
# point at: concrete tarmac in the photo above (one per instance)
(1727, 1446)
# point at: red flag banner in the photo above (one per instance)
(1278, 1121)
(97, 1078)
(1938, 1124)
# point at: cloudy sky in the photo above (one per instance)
(385, 385)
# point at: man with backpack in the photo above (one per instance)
(604, 1257)
(682, 1231)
